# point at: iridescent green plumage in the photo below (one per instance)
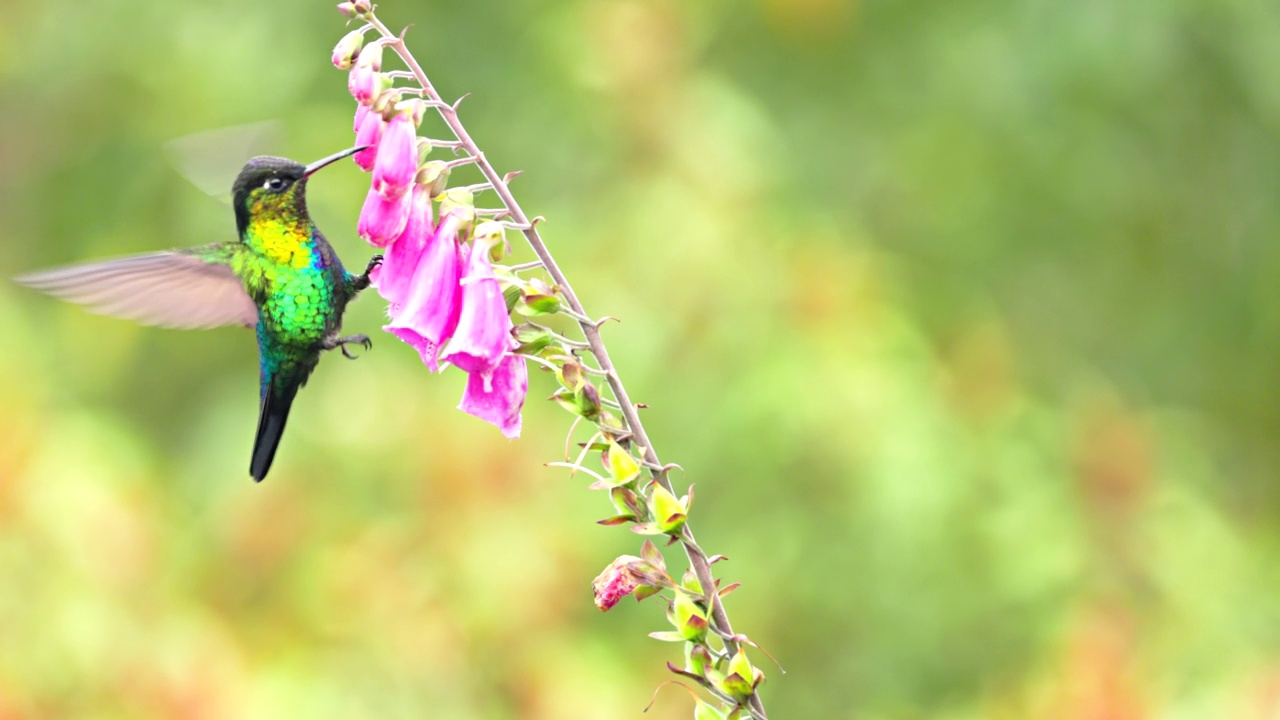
(281, 277)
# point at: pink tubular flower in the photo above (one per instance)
(368, 133)
(382, 220)
(397, 159)
(394, 277)
(363, 82)
(498, 397)
(484, 327)
(429, 313)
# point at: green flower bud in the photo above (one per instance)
(620, 464)
(532, 338)
(689, 619)
(696, 658)
(668, 513)
(740, 677)
(435, 175)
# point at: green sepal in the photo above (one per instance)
(532, 338)
(512, 296)
(538, 304)
(667, 636)
(616, 520)
(626, 501)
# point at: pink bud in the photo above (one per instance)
(347, 49)
(369, 133)
(397, 160)
(382, 220)
(363, 82)
(429, 315)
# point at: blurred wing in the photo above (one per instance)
(211, 159)
(169, 289)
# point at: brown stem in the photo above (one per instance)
(697, 557)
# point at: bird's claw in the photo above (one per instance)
(342, 343)
(363, 280)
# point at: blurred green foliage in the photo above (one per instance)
(962, 316)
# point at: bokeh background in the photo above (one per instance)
(962, 315)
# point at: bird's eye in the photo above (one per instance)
(275, 184)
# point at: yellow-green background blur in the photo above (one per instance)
(963, 317)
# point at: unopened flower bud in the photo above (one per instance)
(696, 658)
(435, 175)
(740, 678)
(347, 49)
(668, 512)
(689, 618)
(459, 200)
(347, 8)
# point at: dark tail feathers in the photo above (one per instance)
(275, 411)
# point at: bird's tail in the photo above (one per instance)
(276, 402)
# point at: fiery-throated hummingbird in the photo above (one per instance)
(281, 277)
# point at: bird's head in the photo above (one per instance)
(274, 188)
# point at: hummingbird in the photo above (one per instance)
(281, 277)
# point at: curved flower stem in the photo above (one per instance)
(697, 557)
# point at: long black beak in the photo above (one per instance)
(332, 159)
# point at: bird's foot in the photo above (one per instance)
(363, 280)
(341, 343)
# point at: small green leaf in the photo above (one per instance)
(667, 636)
(703, 711)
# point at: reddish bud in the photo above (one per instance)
(617, 581)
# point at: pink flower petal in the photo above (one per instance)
(393, 278)
(498, 398)
(369, 133)
(397, 159)
(382, 220)
(429, 314)
(484, 327)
